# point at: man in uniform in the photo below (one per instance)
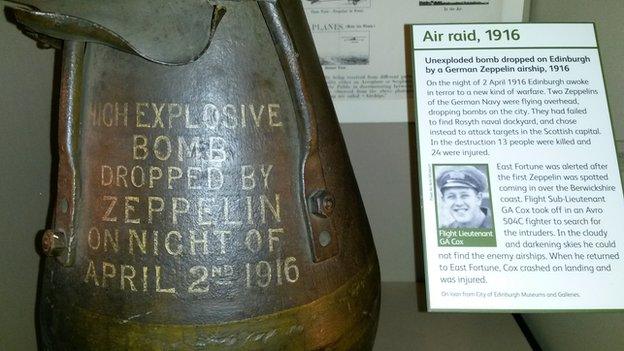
(462, 191)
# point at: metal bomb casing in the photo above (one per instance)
(201, 205)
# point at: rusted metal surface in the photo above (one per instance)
(68, 183)
(214, 204)
(299, 64)
(158, 30)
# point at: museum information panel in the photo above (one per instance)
(521, 194)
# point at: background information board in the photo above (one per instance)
(522, 203)
(361, 45)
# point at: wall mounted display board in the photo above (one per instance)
(361, 45)
(519, 181)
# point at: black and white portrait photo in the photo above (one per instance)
(463, 198)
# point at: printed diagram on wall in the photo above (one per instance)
(331, 4)
(343, 48)
(453, 3)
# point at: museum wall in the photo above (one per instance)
(382, 156)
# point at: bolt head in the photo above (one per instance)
(328, 204)
(322, 203)
(53, 243)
